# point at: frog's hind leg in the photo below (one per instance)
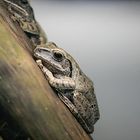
(68, 103)
(74, 111)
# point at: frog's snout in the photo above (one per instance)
(40, 52)
(37, 52)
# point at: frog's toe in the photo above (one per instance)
(39, 63)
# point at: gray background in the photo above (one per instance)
(104, 37)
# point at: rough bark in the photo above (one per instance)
(24, 92)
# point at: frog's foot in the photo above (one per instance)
(46, 72)
(10, 9)
(13, 18)
(39, 63)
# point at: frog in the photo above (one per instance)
(70, 83)
(22, 12)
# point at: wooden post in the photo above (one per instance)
(24, 92)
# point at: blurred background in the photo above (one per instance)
(104, 38)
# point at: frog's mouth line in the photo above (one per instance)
(50, 66)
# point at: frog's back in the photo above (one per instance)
(89, 110)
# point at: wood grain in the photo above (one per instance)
(24, 92)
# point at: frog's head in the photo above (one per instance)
(54, 58)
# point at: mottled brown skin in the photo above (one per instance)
(73, 87)
(22, 12)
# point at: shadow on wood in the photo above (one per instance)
(24, 92)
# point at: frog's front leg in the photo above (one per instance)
(62, 83)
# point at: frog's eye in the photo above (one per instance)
(24, 1)
(58, 56)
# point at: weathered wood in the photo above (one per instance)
(24, 92)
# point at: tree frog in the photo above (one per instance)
(72, 86)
